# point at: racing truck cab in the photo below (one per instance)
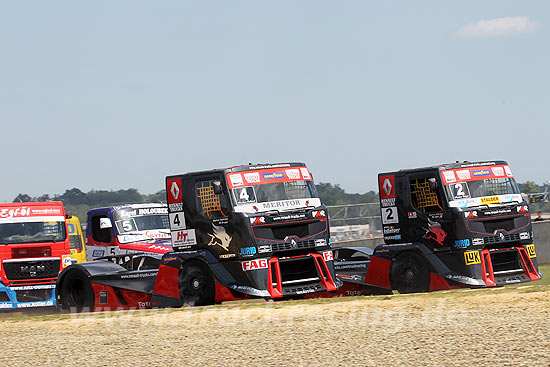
(265, 224)
(34, 248)
(453, 225)
(124, 229)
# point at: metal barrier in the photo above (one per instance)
(354, 222)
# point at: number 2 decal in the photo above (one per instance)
(459, 189)
(389, 215)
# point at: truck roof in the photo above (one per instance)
(446, 166)
(126, 206)
(32, 203)
(244, 167)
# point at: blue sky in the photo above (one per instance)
(117, 94)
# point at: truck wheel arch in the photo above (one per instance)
(74, 290)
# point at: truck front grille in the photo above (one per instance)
(499, 239)
(31, 269)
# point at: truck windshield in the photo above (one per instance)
(130, 220)
(482, 188)
(274, 192)
(31, 232)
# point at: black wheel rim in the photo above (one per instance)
(195, 287)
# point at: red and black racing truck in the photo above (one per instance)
(239, 232)
(449, 226)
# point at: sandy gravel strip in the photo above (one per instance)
(482, 327)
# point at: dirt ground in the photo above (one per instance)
(506, 327)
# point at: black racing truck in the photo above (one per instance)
(239, 232)
(453, 225)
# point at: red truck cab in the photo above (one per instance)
(34, 248)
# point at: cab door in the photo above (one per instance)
(430, 217)
(78, 249)
(210, 215)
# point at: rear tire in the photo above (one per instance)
(196, 285)
(409, 274)
(77, 294)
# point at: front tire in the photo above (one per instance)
(409, 274)
(77, 294)
(196, 285)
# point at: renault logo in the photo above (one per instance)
(387, 186)
(293, 243)
(175, 190)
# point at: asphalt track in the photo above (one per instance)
(503, 326)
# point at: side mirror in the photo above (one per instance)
(432, 182)
(217, 186)
(105, 223)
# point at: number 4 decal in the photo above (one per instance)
(177, 221)
(389, 215)
(244, 195)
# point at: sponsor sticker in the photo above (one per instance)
(227, 256)
(273, 175)
(328, 256)
(490, 200)
(293, 174)
(98, 253)
(248, 251)
(412, 215)
(481, 172)
(508, 171)
(183, 238)
(318, 213)
(175, 207)
(463, 174)
(391, 230)
(472, 257)
(524, 236)
(305, 173)
(67, 260)
(498, 171)
(531, 250)
(236, 179)
(254, 264)
(252, 177)
(320, 242)
(462, 243)
(396, 237)
(449, 176)
(388, 202)
(478, 241)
